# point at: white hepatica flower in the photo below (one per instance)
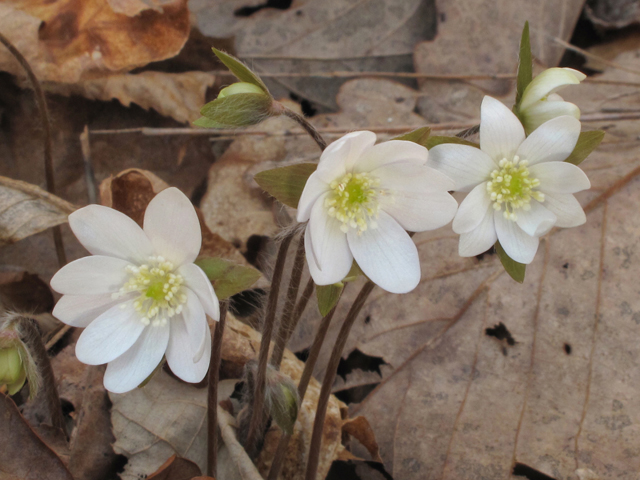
(519, 188)
(139, 296)
(361, 201)
(540, 102)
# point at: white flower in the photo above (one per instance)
(519, 188)
(359, 204)
(139, 296)
(539, 101)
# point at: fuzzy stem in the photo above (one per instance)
(305, 378)
(310, 129)
(212, 396)
(329, 377)
(257, 413)
(303, 302)
(286, 323)
(48, 393)
(48, 144)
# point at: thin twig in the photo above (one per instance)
(303, 302)
(89, 174)
(600, 59)
(48, 143)
(305, 378)
(310, 129)
(212, 394)
(257, 414)
(58, 335)
(286, 322)
(329, 377)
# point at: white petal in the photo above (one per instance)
(105, 231)
(466, 166)
(501, 133)
(416, 196)
(553, 141)
(387, 255)
(536, 221)
(329, 246)
(196, 322)
(549, 81)
(481, 238)
(314, 187)
(109, 335)
(134, 366)
(332, 273)
(560, 177)
(196, 280)
(545, 110)
(340, 156)
(172, 225)
(93, 275)
(515, 242)
(472, 209)
(566, 208)
(81, 310)
(180, 354)
(391, 152)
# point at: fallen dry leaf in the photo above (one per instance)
(23, 454)
(613, 13)
(169, 417)
(176, 95)
(27, 209)
(71, 41)
(176, 468)
(320, 36)
(23, 291)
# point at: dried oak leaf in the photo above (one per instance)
(176, 468)
(81, 39)
(23, 454)
(26, 209)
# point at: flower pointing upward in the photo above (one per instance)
(518, 188)
(139, 296)
(361, 201)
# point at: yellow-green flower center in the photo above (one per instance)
(512, 186)
(354, 201)
(161, 294)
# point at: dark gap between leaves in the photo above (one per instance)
(567, 349)
(246, 303)
(251, 9)
(359, 361)
(307, 108)
(302, 355)
(522, 470)
(501, 332)
(355, 394)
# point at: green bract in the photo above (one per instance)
(286, 183)
(239, 88)
(228, 278)
(239, 110)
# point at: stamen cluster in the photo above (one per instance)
(354, 201)
(512, 186)
(160, 290)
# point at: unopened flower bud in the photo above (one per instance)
(12, 371)
(282, 400)
(240, 87)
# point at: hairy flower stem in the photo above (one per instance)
(287, 324)
(48, 144)
(329, 377)
(310, 129)
(305, 378)
(47, 393)
(212, 394)
(257, 413)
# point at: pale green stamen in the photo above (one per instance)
(354, 201)
(512, 187)
(161, 293)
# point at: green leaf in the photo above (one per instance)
(235, 111)
(419, 136)
(587, 143)
(240, 70)
(328, 296)
(286, 183)
(513, 268)
(227, 277)
(525, 65)
(438, 140)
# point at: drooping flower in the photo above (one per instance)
(518, 188)
(139, 295)
(360, 203)
(540, 102)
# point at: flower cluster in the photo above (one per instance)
(140, 296)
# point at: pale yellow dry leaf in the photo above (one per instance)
(176, 95)
(131, 8)
(26, 209)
